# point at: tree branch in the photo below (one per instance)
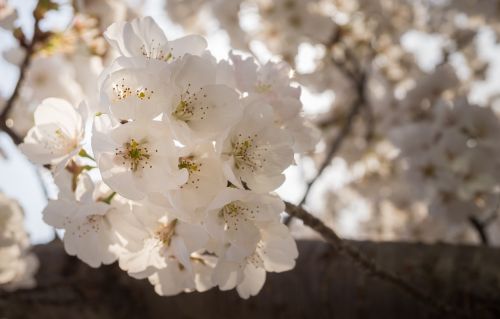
(337, 143)
(481, 230)
(324, 284)
(30, 49)
(366, 263)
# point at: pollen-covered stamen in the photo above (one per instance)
(193, 167)
(155, 51)
(256, 260)
(234, 213)
(59, 142)
(164, 233)
(263, 87)
(92, 223)
(247, 154)
(144, 93)
(135, 154)
(121, 91)
(189, 108)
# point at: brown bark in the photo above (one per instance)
(323, 285)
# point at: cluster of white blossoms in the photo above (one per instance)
(281, 25)
(445, 159)
(78, 51)
(189, 150)
(17, 264)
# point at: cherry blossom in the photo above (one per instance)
(58, 132)
(143, 37)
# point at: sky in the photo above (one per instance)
(22, 181)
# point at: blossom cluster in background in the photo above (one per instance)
(413, 165)
(17, 265)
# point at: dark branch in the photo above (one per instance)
(337, 143)
(366, 263)
(480, 229)
(30, 49)
(16, 139)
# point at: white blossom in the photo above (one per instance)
(86, 219)
(134, 89)
(198, 107)
(138, 157)
(256, 152)
(58, 132)
(143, 37)
(17, 265)
(235, 217)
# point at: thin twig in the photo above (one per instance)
(481, 225)
(22, 72)
(366, 263)
(30, 49)
(481, 230)
(358, 103)
(337, 143)
(16, 139)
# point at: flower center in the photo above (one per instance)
(60, 142)
(144, 93)
(121, 91)
(233, 213)
(188, 106)
(263, 87)
(189, 164)
(165, 232)
(246, 155)
(136, 154)
(184, 110)
(192, 167)
(155, 51)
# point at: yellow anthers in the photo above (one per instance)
(168, 56)
(59, 133)
(263, 88)
(121, 91)
(190, 106)
(230, 209)
(183, 111)
(246, 154)
(144, 94)
(192, 167)
(155, 51)
(235, 212)
(135, 153)
(240, 149)
(91, 224)
(164, 233)
(189, 164)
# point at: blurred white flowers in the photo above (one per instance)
(17, 265)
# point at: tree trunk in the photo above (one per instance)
(324, 284)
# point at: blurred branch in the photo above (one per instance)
(13, 135)
(366, 263)
(481, 230)
(343, 134)
(29, 51)
(481, 225)
(358, 79)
